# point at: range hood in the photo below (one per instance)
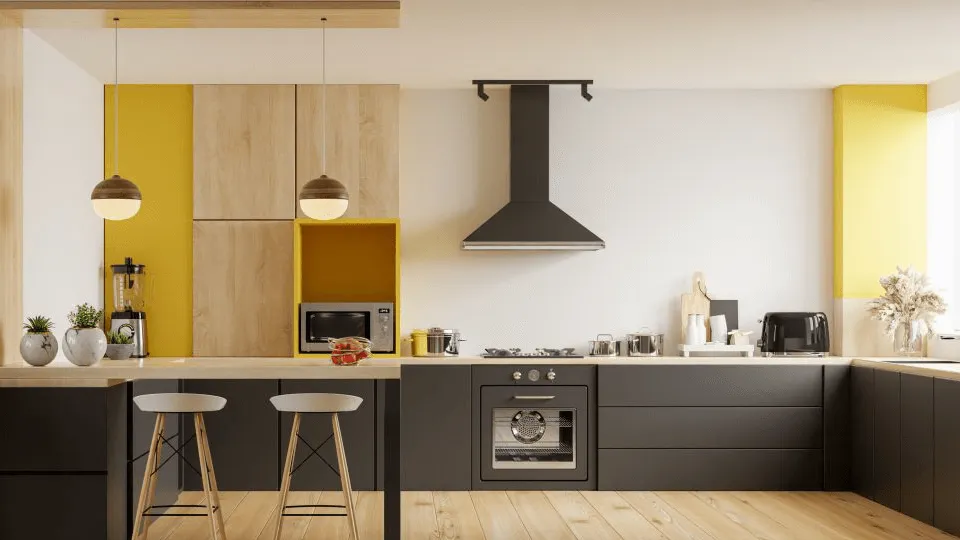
(530, 221)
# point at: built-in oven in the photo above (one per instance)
(320, 321)
(535, 428)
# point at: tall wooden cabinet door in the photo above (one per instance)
(242, 288)
(363, 150)
(244, 152)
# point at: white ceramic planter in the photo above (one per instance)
(38, 349)
(84, 346)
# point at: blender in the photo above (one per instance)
(128, 317)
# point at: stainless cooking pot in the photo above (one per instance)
(443, 342)
(604, 345)
(644, 343)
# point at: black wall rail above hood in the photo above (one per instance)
(530, 221)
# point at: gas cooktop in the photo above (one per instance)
(536, 353)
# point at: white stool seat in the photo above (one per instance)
(179, 403)
(316, 403)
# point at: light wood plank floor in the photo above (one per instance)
(567, 515)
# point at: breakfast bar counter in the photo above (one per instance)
(79, 438)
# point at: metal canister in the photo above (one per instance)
(443, 342)
(418, 340)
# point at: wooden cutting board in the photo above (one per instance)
(694, 302)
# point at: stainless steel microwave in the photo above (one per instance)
(372, 320)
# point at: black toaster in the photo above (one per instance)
(795, 333)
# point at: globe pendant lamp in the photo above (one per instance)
(323, 198)
(116, 198)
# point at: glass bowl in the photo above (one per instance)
(349, 351)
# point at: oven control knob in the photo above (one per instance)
(551, 375)
(517, 375)
(534, 375)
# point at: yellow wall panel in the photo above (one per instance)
(156, 152)
(880, 138)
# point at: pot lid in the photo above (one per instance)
(645, 332)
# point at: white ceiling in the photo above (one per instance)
(619, 43)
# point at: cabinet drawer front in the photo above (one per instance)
(54, 429)
(53, 507)
(710, 427)
(716, 470)
(710, 386)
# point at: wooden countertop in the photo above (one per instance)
(201, 368)
(108, 372)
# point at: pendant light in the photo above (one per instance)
(116, 198)
(324, 198)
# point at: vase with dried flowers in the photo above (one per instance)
(908, 306)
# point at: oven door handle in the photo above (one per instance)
(535, 398)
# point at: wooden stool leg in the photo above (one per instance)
(204, 476)
(154, 465)
(287, 471)
(345, 478)
(141, 504)
(214, 488)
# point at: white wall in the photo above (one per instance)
(62, 161)
(737, 184)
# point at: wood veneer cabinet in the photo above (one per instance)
(242, 288)
(244, 152)
(363, 131)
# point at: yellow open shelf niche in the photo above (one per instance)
(346, 260)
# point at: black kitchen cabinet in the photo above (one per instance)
(702, 427)
(862, 412)
(64, 464)
(710, 427)
(886, 444)
(436, 425)
(836, 428)
(141, 431)
(946, 429)
(244, 436)
(55, 507)
(359, 437)
(54, 429)
(709, 470)
(916, 448)
(710, 386)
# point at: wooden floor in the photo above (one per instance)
(564, 515)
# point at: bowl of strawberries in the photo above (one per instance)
(349, 351)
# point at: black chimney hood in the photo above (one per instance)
(530, 221)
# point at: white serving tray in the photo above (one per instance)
(713, 348)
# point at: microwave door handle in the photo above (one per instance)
(535, 398)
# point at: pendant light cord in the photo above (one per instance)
(116, 96)
(323, 96)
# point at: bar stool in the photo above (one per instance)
(299, 404)
(163, 404)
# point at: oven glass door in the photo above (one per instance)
(322, 325)
(530, 432)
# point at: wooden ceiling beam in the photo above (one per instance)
(203, 13)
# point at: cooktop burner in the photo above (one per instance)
(536, 353)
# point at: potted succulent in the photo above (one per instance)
(38, 346)
(85, 343)
(119, 344)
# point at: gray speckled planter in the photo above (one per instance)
(84, 346)
(116, 351)
(38, 349)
